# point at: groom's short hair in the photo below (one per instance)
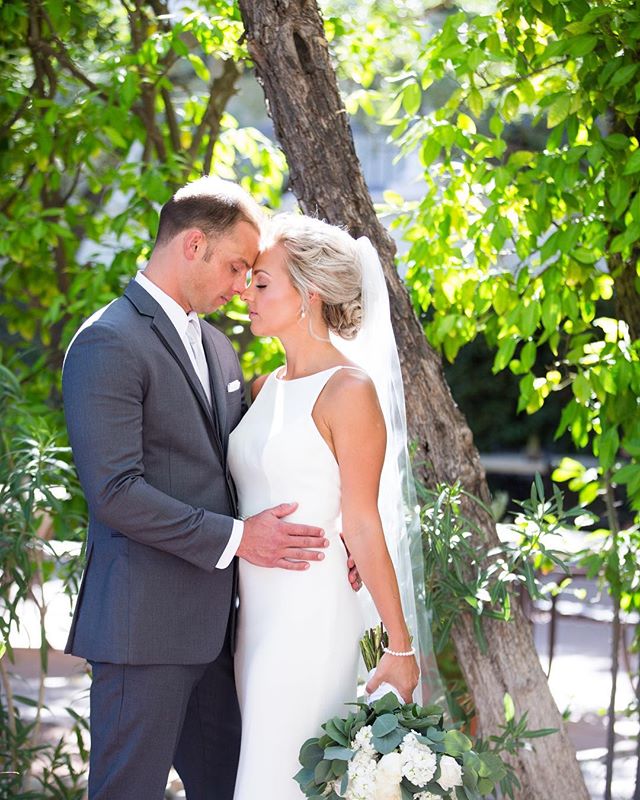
(210, 204)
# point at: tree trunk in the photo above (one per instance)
(287, 44)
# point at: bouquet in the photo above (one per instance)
(390, 750)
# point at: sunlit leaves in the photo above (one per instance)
(514, 238)
(97, 141)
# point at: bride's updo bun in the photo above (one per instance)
(322, 259)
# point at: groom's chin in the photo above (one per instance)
(214, 305)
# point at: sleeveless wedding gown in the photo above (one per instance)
(298, 632)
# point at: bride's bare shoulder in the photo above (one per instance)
(351, 388)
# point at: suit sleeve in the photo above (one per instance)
(103, 391)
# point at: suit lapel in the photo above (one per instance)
(168, 335)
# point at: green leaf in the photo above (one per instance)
(384, 725)
(475, 102)
(115, 136)
(623, 75)
(607, 445)
(558, 110)
(335, 732)
(505, 353)
(626, 473)
(199, 67)
(305, 778)
(342, 753)
(509, 707)
(412, 98)
(456, 743)
(492, 767)
(616, 141)
(510, 106)
(530, 314)
(323, 772)
(582, 45)
(387, 703)
(310, 754)
(528, 356)
(567, 469)
(387, 744)
(633, 164)
(581, 388)
(339, 767)
(429, 151)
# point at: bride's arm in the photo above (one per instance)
(354, 420)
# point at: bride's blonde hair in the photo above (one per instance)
(322, 259)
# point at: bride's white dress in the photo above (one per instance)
(297, 648)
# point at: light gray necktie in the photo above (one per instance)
(194, 337)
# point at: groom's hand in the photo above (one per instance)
(267, 541)
(354, 576)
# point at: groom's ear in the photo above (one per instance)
(194, 244)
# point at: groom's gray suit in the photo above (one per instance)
(154, 615)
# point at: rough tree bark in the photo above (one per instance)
(287, 44)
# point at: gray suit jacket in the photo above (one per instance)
(151, 457)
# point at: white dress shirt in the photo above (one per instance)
(180, 320)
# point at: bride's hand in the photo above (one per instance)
(400, 671)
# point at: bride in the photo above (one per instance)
(314, 433)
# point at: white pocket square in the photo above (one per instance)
(233, 386)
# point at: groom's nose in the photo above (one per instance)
(240, 284)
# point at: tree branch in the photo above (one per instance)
(61, 54)
(172, 120)
(139, 27)
(221, 90)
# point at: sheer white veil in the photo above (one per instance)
(374, 350)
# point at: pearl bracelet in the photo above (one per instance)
(411, 652)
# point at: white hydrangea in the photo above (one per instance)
(418, 761)
(363, 740)
(362, 776)
(450, 773)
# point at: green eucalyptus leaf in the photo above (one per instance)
(387, 744)
(384, 725)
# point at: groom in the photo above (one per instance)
(150, 395)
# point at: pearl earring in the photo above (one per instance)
(302, 313)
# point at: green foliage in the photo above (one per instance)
(60, 773)
(464, 576)
(105, 114)
(613, 553)
(39, 500)
(526, 239)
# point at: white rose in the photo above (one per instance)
(450, 773)
(388, 777)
